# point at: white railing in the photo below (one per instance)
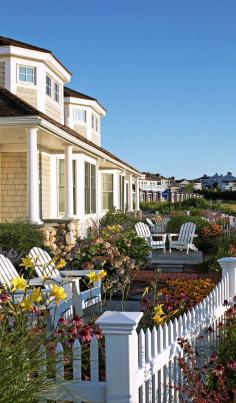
(141, 368)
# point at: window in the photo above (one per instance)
(61, 186)
(122, 193)
(56, 92)
(90, 188)
(94, 122)
(80, 115)
(107, 191)
(48, 86)
(27, 74)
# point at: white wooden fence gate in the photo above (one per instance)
(141, 367)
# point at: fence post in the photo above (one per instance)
(228, 265)
(121, 351)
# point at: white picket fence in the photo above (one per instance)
(140, 368)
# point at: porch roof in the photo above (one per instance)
(13, 106)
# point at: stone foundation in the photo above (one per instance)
(61, 238)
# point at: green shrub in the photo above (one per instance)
(133, 246)
(161, 206)
(19, 236)
(116, 217)
(175, 223)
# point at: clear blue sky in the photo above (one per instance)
(164, 69)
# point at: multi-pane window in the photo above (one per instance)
(80, 115)
(61, 186)
(27, 74)
(94, 122)
(90, 188)
(48, 86)
(56, 92)
(122, 193)
(107, 191)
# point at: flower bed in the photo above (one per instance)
(178, 297)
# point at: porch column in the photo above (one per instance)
(32, 176)
(130, 193)
(137, 196)
(68, 182)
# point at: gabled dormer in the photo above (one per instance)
(83, 114)
(35, 75)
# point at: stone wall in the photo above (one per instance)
(27, 94)
(2, 74)
(13, 196)
(61, 238)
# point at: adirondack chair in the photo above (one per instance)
(8, 273)
(159, 227)
(143, 231)
(184, 238)
(81, 299)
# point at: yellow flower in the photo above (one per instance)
(58, 293)
(19, 283)
(36, 295)
(27, 262)
(159, 315)
(102, 274)
(27, 304)
(92, 277)
(60, 263)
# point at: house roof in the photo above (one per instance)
(12, 105)
(69, 92)
(4, 41)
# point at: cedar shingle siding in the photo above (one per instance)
(2, 73)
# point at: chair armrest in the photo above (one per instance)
(76, 273)
(170, 236)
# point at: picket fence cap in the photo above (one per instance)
(227, 262)
(118, 322)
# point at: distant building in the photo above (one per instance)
(152, 186)
(222, 182)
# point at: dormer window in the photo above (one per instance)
(48, 86)
(27, 74)
(80, 115)
(56, 92)
(94, 122)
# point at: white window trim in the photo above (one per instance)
(77, 120)
(26, 82)
(50, 77)
(59, 92)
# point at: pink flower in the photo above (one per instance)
(232, 364)
(85, 334)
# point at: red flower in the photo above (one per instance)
(62, 321)
(218, 370)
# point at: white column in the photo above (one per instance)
(121, 343)
(228, 265)
(130, 195)
(33, 176)
(68, 182)
(116, 190)
(137, 196)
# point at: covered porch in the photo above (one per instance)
(47, 174)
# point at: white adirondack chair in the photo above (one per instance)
(143, 231)
(8, 273)
(81, 299)
(184, 239)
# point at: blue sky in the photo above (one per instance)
(165, 71)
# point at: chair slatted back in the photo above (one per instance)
(44, 265)
(186, 231)
(7, 272)
(142, 230)
(150, 223)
